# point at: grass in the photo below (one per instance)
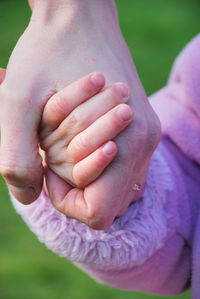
(155, 31)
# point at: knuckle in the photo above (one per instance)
(66, 128)
(77, 148)
(79, 120)
(149, 132)
(141, 127)
(99, 218)
(153, 135)
(72, 125)
(81, 143)
(79, 178)
(14, 175)
(8, 172)
(51, 141)
(99, 222)
(68, 123)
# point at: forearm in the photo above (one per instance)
(71, 3)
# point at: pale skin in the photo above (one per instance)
(65, 40)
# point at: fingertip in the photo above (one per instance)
(97, 79)
(88, 169)
(125, 113)
(110, 148)
(124, 90)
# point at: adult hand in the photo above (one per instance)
(64, 41)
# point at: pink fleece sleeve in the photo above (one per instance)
(137, 251)
(178, 104)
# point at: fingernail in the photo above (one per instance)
(125, 113)
(97, 79)
(108, 148)
(124, 90)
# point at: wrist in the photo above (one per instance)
(70, 12)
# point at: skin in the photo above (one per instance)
(72, 133)
(65, 40)
(2, 75)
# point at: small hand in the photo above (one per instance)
(77, 126)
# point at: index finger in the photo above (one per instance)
(65, 101)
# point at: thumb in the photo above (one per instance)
(20, 162)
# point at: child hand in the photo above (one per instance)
(77, 127)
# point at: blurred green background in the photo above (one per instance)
(155, 30)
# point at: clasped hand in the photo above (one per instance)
(75, 123)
